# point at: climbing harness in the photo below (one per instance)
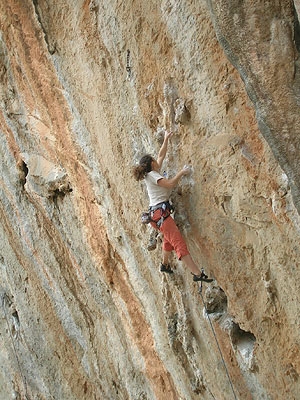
(5, 302)
(166, 209)
(215, 336)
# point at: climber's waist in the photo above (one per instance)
(160, 212)
(164, 206)
(157, 214)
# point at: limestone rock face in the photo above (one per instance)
(88, 87)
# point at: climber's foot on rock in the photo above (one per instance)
(166, 268)
(201, 278)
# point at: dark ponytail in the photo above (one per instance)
(144, 166)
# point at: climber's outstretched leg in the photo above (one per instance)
(173, 240)
(189, 263)
(166, 256)
(197, 274)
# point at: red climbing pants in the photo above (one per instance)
(173, 239)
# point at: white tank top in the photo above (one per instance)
(156, 193)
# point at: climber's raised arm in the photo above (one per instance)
(163, 150)
(171, 183)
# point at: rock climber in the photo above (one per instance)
(160, 209)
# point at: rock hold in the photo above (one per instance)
(44, 178)
(182, 114)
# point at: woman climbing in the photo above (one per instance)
(159, 189)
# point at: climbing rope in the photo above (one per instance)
(128, 67)
(5, 301)
(216, 339)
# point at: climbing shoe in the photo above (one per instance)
(166, 268)
(201, 278)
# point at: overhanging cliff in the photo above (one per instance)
(87, 87)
